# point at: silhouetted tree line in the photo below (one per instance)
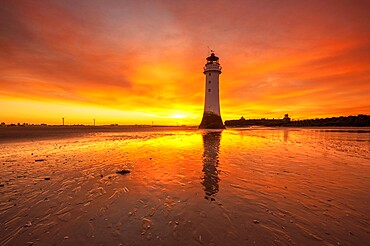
(360, 120)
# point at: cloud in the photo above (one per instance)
(304, 58)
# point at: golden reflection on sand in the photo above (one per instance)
(264, 186)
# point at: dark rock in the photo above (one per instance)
(38, 160)
(1, 185)
(47, 178)
(124, 171)
(256, 222)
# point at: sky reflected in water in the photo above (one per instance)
(237, 186)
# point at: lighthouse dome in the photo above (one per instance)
(212, 58)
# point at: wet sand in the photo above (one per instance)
(259, 186)
(35, 133)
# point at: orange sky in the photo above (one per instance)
(134, 62)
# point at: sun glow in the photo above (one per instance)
(177, 116)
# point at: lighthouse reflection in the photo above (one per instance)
(210, 180)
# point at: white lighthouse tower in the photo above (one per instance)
(212, 116)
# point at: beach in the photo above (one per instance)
(242, 186)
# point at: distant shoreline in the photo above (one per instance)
(35, 133)
(352, 129)
(360, 120)
(38, 133)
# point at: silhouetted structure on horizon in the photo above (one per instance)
(258, 122)
(360, 120)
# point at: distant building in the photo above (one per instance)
(3, 124)
(259, 122)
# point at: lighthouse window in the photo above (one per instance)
(209, 82)
(209, 90)
(209, 74)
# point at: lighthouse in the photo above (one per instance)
(212, 116)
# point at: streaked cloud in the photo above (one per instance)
(145, 58)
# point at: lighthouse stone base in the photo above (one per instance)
(211, 121)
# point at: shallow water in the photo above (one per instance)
(260, 186)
